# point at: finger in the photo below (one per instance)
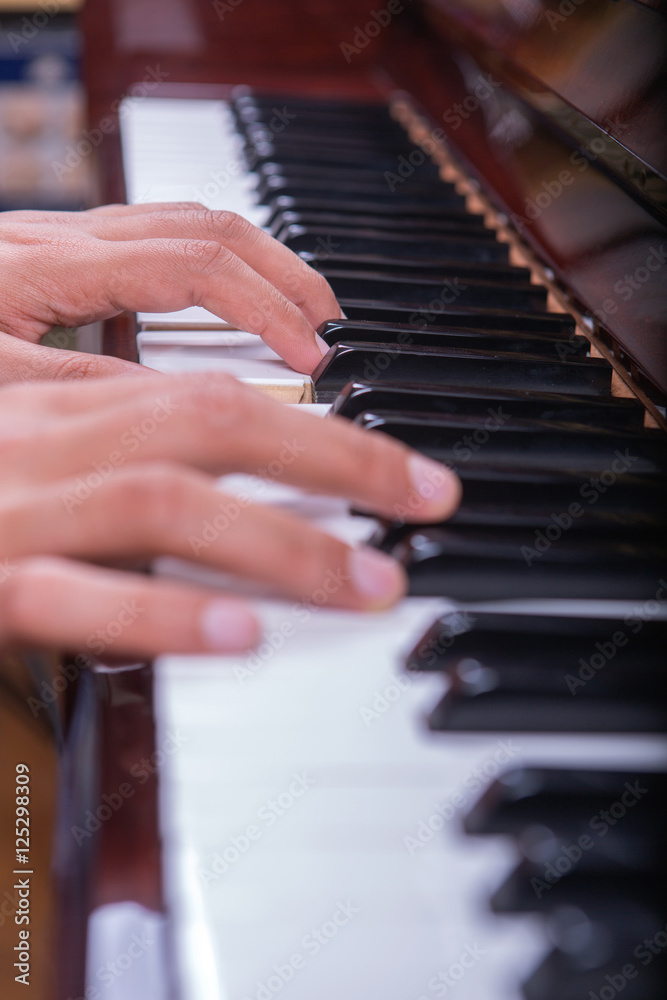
(215, 423)
(31, 402)
(149, 511)
(297, 281)
(164, 275)
(62, 604)
(142, 208)
(21, 361)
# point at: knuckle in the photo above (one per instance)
(229, 225)
(206, 257)
(310, 286)
(77, 366)
(187, 206)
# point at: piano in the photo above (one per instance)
(465, 796)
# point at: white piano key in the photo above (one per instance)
(177, 149)
(254, 363)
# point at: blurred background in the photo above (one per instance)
(42, 107)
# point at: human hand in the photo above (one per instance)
(71, 268)
(117, 470)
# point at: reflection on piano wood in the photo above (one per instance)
(312, 793)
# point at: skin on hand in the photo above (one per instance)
(118, 470)
(71, 268)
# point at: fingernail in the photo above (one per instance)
(322, 345)
(376, 576)
(228, 625)
(438, 487)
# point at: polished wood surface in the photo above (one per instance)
(107, 849)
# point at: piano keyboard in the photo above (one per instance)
(312, 818)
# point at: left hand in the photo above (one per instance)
(71, 268)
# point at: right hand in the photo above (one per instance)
(148, 450)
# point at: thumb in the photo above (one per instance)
(21, 361)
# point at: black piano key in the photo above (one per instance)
(420, 293)
(244, 96)
(601, 952)
(456, 223)
(358, 310)
(510, 443)
(568, 799)
(334, 331)
(586, 647)
(537, 499)
(451, 204)
(351, 141)
(377, 162)
(482, 563)
(464, 709)
(351, 190)
(583, 976)
(320, 240)
(544, 499)
(336, 184)
(557, 325)
(437, 267)
(358, 397)
(527, 891)
(337, 150)
(458, 366)
(336, 122)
